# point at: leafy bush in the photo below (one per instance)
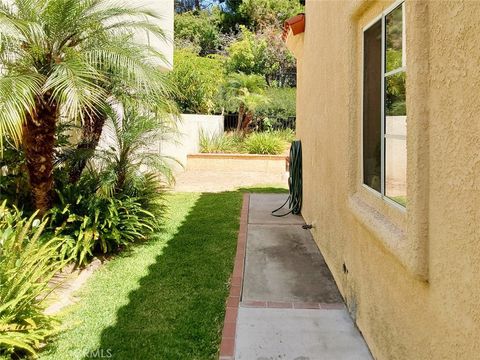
(220, 143)
(281, 107)
(198, 80)
(247, 55)
(119, 200)
(97, 224)
(14, 185)
(264, 143)
(272, 143)
(28, 261)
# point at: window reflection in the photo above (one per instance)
(372, 105)
(394, 40)
(395, 95)
(395, 110)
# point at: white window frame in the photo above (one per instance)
(382, 17)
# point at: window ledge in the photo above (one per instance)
(390, 235)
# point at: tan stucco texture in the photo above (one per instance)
(411, 279)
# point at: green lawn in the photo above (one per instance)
(164, 299)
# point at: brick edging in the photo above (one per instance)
(291, 305)
(227, 345)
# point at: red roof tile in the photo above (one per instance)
(296, 23)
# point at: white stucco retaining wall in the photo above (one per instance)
(188, 139)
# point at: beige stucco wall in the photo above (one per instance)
(411, 279)
(267, 164)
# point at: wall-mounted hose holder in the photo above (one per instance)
(294, 200)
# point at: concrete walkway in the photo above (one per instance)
(290, 307)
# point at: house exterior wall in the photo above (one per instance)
(165, 10)
(411, 279)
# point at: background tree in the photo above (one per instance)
(256, 14)
(244, 93)
(198, 31)
(264, 54)
(198, 80)
(248, 55)
(57, 57)
(187, 5)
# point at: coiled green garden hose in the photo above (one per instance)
(294, 181)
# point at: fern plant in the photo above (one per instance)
(27, 263)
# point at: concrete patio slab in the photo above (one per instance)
(261, 206)
(268, 334)
(283, 264)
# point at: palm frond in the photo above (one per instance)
(18, 93)
(97, 17)
(74, 85)
(23, 30)
(132, 136)
(127, 63)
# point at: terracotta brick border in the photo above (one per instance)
(227, 346)
(291, 305)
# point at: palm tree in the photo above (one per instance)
(244, 94)
(61, 60)
(129, 151)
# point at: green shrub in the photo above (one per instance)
(197, 80)
(248, 55)
(120, 199)
(220, 143)
(28, 261)
(93, 220)
(272, 143)
(262, 53)
(258, 13)
(264, 143)
(282, 104)
(98, 224)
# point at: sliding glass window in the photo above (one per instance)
(384, 107)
